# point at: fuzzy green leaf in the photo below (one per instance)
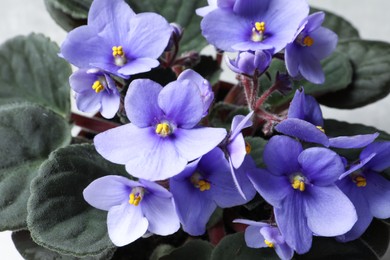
(192, 250)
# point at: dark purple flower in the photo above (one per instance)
(304, 121)
(299, 184)
(312, 44)
(254, 25)
(260, 234)
(163, 135)
(116, 40)
(205, 184)
(134, 208)
(95, 91)
(367, 189)
(249, 62)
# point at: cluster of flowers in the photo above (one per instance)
(312, 190)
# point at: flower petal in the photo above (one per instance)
(110, 104)
(381, 160)
(377, 192)
(138, 65)
(356, 141)
(253, 237)
(237, 151)
(89, 101)
(297, 105)
(240, 122)
(311, 69)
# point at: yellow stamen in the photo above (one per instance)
(269, 244)
(308, 41)
(298, 184)
(260, 26)
(248, 148)
(134, 200)
(97, 86)
(258, 32)
(117, 51)
(360, 181)
(204, 185)
(320, 128)
(163, 129)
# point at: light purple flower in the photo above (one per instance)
(260, 234)
(367, 189)
(299, 184)
(163, 135)
(304, 121)
(95, 91)
(249, 62)
(312, 44)
(134, 208)
(205, 184)
(254, 25)
(116, 40)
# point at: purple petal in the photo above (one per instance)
(110, 104)
(108, 191)
(89, 101)
(381, 160)
(356, 141)
(253, 237)
(313, 112)
(311, 68)
(329, 212)
(126, 224)
(182, 103)
(235, 181)
(141, 103)
(161, 214)
(292, 59)
(377, 192)
(237, 151)
(357, 166)
(284, 251)
(250, 222)
(279, 160)
(325, 42)
(138, 65)
(297, 105)
(240, 122)
(321, 166)
(314, 21)
(82, 81)
(155, 189)
(303, 130)
(251, 8)
(292, 223)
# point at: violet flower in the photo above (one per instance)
(304, 121)
(260, 235)
(134, 208)
(249, 62)
(299, 184)
(116, 40)
(312, 44)
(254, 25)
(367, 189)
(163, 135)
(95, 91)
(205, 184)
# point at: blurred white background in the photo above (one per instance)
(21, 17)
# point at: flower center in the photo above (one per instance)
(268, 243)
(258, 32)
(136, 195)
(320, 128)
(97, 86)
(248, 148)
(163, 129)
(199, 183)
(119, 56)
(308, 41)
(360, 181)
(298, 182)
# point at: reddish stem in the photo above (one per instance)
(216, 233)
(92, 124)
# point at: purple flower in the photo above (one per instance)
(163, 135)
(134, 208)
(204, 87)
(299, 184)
(254, 25)
(95, 91)
(249, 62)
(367, 189)
(260, 234)
(312, 44)
(203, 185)
(116, 40)
(304, 121)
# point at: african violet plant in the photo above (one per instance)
(177, 164)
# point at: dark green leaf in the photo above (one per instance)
(32, 251)
(181, 12)
(222, 114)
(233, 247)
(257, 148)
(192, 250)
(28, 134)
(32, 71)
(161, 251)
(371, 77)
(339, 25)
(68, 14)
(58, 216)
(215, 217)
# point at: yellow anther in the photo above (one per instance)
(298, 184)
(134, 200)
(360, 181)
(320, 128)
(163, 129)
(260, 26)
(117, 51)
(248, 148)
(308, 41)
(97, 86)
(203, 185)
(258, 32)
(269, 244)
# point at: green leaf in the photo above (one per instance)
(32, 251)
(371, 77)
(160, 251)
(222, 114)
(58, 216)
(28, 134)
(257, 148)
(181, 12)
(192, 250)
(233, 247)
(32, 71)
(68, 14)
(337, 24)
